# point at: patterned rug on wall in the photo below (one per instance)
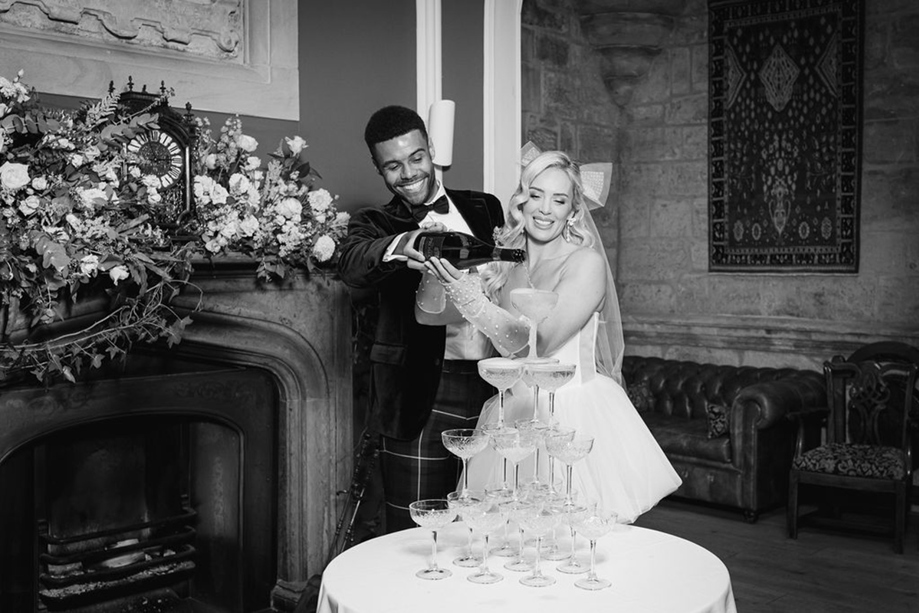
(785, 135)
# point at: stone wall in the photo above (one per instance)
(565, 104)
(672, 306)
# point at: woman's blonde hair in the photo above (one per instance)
(513, 234)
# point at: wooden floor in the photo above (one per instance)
(819, 572)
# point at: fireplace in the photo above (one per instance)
(200, 478)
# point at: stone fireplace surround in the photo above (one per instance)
(290, 343)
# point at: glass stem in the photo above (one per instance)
(516, 478)
(536, 571)
(568, 499)
(571, 528)
(469, 543)
(551, 409)
(484, 568)
(434, 550)
(465, 477)
(592, 576)
(500, 408)
(535, 402)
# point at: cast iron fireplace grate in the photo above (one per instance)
(100, 566)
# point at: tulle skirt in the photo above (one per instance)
(625, 471)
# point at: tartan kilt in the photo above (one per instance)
(423, 468)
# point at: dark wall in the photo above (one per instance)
(355, 57)
(463, 71)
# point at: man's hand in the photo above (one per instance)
(415, 258)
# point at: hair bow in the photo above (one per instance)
(595, 178)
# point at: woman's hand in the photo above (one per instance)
(443, 270)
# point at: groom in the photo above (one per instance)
(424, 379)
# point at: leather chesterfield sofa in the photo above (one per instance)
(725, 429)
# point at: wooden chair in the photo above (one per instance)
(868, 445)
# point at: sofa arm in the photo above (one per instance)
(774, 400)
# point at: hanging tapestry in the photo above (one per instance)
(785, 135)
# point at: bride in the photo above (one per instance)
(626, 471)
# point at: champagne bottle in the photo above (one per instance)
(463, 250)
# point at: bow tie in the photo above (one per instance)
(441, 205)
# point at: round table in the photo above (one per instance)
(650, 571)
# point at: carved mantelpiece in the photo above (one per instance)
(230, 56)
(298, 336)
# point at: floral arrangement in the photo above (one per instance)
(79, 219)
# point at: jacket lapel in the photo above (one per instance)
(475, 212)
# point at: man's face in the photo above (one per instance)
(405, 164)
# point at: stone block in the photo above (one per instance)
(886, 254)
(532, 13)
(645, 298)
(695, 143)
(891, 141)
(904, 44)
(686, 179)
(552, 50)
(671, 219)
(700, 218)
(649, 114)
(898, 299)
(531, 89)
(635, 219)
(595, 143)
(889, 200)
(680, 72)
(687, 110)
(559, 97)
(641, 180)
(699, 256)
(655, 87)
(651, 144)
(626, 61)
(699, 69)
(567, 137)
(627, 29)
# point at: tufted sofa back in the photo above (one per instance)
(683, 388)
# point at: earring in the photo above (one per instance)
(566, 232)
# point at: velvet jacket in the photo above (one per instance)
(406, 357)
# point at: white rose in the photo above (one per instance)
(320, 200)
(118, 273)
(14, 176)
(253, 162)
(246, 143)
(238, 183)
(296, 144)
(210, 160)
(91, 195)
(249, 226)
(342, 219)
(290, 208)
(29, 205)
(39, 184)
(219, 194)
(89, 264)
(324, 248)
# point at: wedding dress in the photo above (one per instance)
(626, 470)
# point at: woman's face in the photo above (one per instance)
(549, 206)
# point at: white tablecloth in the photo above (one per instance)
(650, 572)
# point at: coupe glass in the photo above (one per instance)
(535, 305)
(528, 380)
(500, 493)
(513, 509)
(514, 445)
(550, 377)
(465, 443)
(434, 514)
(502, 373)
(538, 519)
(485, 518)
(570, 515)
(538, 430)
(569, 451)
(464, 505)
(596, 523)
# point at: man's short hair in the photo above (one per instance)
(390, 122)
